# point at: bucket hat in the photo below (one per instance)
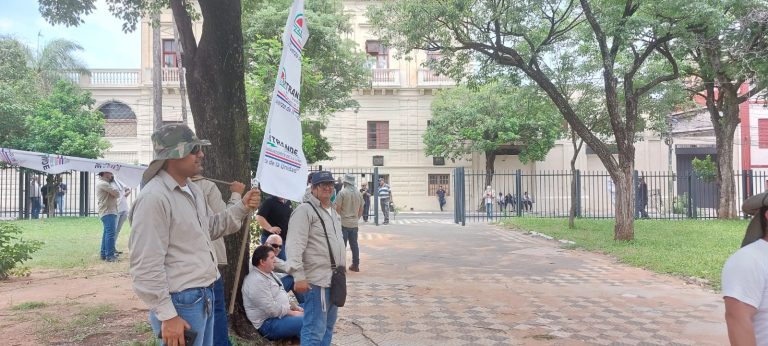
(174, 141)
(752, 206)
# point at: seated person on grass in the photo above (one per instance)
(276, 242)
(265, 300)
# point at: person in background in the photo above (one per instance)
(107, 195)
(527, 201)
(216, 203)
(273, 216)
(488, 197)
(35, 195)
(385, 199)
(441, 197)
(61, 190)
(122, 210)
(366, 202)
(349, 205)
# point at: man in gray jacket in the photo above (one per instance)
(309, 258)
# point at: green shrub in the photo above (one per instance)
(14, 250)
(705, 169)
(680, 204)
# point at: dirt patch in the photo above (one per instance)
(95, 306)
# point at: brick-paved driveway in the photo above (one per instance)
(440, 284)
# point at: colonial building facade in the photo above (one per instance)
(386, 131)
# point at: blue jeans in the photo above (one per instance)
(60, 204)
(351, 235)
(35, 207)
(220, 324)
(318, 324)
(121, 217)
(194, 306)
(489, 211)
(281, 328)
(108, 237)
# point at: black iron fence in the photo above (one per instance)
(548, 194)
(79, 198)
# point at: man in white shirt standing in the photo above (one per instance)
(745, 280)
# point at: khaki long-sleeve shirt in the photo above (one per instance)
(107, 195)
(307, 249)
(214, 200)
(170, 242)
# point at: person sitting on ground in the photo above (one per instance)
(510, 200)
(281, 271)
(266, 303)
(745, 279)
(527, 201)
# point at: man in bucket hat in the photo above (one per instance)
(745, 279)
(173, 267)
(309, 260)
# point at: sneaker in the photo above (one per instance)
(112, 259)
(354, 268)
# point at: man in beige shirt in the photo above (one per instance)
(349, 205)
(173, 266)
(107, 194)
(217, 205)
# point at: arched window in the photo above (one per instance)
(120, 120)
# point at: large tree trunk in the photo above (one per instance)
(625, 204)
(216, 87)
(725, 128)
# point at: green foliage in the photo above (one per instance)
(331, 65)
(689, 248)
(705, 169)
(70, 243)
(65, 123)
(13, 249)
(18, 93)
(331, 69)
(465, 121)
(56, 58)
(680, 204)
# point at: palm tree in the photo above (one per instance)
(52, 63)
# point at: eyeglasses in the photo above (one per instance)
(196, 149)
(276, 246)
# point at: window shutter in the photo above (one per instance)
(762, 133)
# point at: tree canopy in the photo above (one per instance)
(625, 43)
(466, 121)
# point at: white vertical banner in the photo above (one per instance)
(283, 167)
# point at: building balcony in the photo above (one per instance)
(427, 77)
(112, 78)
(385, 77)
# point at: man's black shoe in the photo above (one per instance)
(354, 268)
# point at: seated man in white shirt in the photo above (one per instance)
(265, 300)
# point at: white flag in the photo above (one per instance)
(55, 164)
(282, 167)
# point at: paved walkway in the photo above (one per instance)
(442, 284)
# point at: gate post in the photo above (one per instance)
(462, 197)
(455, 190)
(23, 208)
(84, 194)
(376, 196)
(690, 196)
(578, 193)
(518, 187)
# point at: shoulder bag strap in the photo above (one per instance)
(330, 253)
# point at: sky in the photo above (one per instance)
(104, 43)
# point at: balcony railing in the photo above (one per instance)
(427, 77)
(122, 77)
(385, 77)
(115, 77)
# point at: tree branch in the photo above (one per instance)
(186, 35)
(669, 77)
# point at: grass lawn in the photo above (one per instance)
(70, 242)
(690, 248)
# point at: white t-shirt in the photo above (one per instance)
(745, 277)
(489, 194)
